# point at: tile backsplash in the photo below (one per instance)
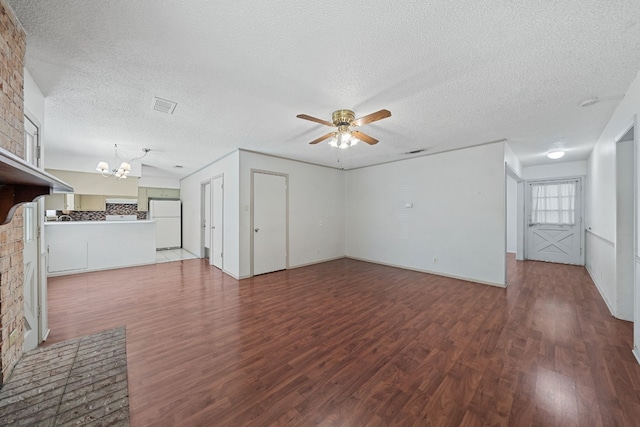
(111, 209)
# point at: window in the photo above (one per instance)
(553, 203)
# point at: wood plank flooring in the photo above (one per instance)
(348, 343)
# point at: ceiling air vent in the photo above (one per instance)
(163, 106)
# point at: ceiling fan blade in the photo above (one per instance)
(322, 138)
(364, 137)
(378, 115)
(315, 119)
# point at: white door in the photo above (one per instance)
(216, 228)
(206, 218)
(269, 223)
(555, 221)
(30, 257)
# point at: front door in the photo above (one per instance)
(30, 259)
(555, 221)
(269, 223)
(216, 228)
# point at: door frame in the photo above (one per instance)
(42, 323)
(203, 212)
(213, 178)
(520, 214)
(251, 222)
(581, 227)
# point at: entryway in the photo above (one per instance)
(554, 231)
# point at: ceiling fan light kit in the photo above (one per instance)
(344, 137)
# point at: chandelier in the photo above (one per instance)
(125, 167)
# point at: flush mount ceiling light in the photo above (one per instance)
(125, 167)
(556, 152)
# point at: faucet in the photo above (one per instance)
(65, 218)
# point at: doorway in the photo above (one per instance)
(625, 229)
(205, 219)
(554, 232)
(217, 221)
(269, 222)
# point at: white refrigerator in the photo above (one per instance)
(167, 215)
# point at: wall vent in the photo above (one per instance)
(163, 105)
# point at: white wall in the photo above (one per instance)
(158, 182)
(511, 160)
(512, 215)
(555, 170)
(33, 100)
(601, 204)
(458, 213)
(316, 196)
(190, 188)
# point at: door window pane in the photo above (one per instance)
(553, 203)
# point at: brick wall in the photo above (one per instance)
(12, 50)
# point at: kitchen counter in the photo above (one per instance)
(81, 246)
(97, 222)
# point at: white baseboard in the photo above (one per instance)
(604, 297)
(316, 262)
(436, 273)
(636, 353)
(92, 270)
(599, 288)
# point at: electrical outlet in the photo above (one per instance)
(435, 260)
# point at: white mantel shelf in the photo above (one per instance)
(21, 182)
(83, 246)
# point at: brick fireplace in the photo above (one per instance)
(12, 51)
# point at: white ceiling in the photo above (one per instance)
(453, 74)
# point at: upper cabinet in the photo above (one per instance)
(146, 193)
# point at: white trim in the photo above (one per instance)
(203, 211)
(604, 239)
(604, 298)
(497, 141)
(90, 270)
(599, 288)
(307, 264)
(636, 353)
(213, 178)
(435, 273)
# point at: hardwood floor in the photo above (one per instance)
(350, 343)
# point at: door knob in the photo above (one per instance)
(256, 229)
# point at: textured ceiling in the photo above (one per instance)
(453, 74)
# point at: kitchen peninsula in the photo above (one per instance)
(82, 246)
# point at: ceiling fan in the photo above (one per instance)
(343, 119)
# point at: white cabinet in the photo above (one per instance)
(67, 255)
(146, 193)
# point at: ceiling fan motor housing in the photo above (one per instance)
(343, 117)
